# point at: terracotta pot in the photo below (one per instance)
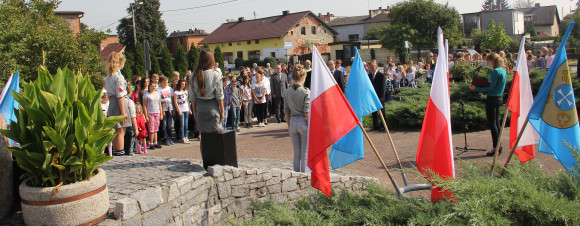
(81, 203)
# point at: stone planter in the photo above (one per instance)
(85, 202)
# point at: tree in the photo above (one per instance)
(489, 5)
(522, 4)
(181, 64)
(192, 57)
(139, 64)
(166, 63)
(575, 33)
(155, 68)
(529, 28)
(32, 35)
(148, 23)
(205, 46)
(127, 71)
(493, 38)
(417, 21)
(373, 54)
(219, 57)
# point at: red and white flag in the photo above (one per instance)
(435, 151)
(519, 103)
(330, 118)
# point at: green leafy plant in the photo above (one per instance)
(61, 129)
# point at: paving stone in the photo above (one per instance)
(148, 199)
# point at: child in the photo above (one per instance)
(236, 103)
(153, 114)
(166, 94)
(248, 103)
(130, 129)
(411, 77)
(105, 107)
(136, 91)
(259, 94)
(181, 102)
(142, 130)
(227, 101)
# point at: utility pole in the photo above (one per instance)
(134, 28)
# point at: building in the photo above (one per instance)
(73, 18)
(326, 18)
(513, 21)
(109, 40)
(113, 47)
(286, 35)
(355, 28)
(185, 39)
(545, 19)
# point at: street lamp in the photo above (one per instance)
(134, 28)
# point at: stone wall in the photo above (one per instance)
(6, 175)
(221, 194)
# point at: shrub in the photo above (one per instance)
(271, 60)
(526, 195)
(240, 62)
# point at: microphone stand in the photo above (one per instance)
(466, 148)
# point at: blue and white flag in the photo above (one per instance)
(361, 95)
(7, 102)
(553, 113)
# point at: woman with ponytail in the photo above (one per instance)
(116, 87)
(206, 95)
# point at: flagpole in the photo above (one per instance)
(393, 146)
(514, 147)
(380, 159)
(498, 145)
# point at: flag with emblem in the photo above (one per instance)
(553, 113)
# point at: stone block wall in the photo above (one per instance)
(6, 175)
(221, 194)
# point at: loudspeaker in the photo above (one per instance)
(219, 149)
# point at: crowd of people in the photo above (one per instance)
(207, 101)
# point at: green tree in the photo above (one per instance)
(166, 64)
(155, 68)
(149, 26)
(205, 46)
(524, 4)
(192, 57)
(575, 33)
(489, 5)
(417, 21)
(139, 60)
(502, 4)
(219, 57)
(529, 28)
(494, 37)
(127, 71)
(181, 64)
(32, 35)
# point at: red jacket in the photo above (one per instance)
(141, 124)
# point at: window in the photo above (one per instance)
(239, 43)
(353, 37)
(257, 42)
(324, 31)
(291, 32)
(229, 56)
(303, 30)
(273, 54)
(313, 28)
(230, 44)
(223, 45)
(249, 42)
(240, 54)
(181, 41)
(254, 54)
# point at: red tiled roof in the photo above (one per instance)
(113, 47)
(544, 35)
(270, 27)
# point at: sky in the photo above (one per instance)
(210, 14)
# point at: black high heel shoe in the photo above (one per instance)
(492, 152)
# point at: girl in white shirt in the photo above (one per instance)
(153, 113)
(181, 103)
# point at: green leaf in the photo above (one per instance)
(97, 136)
(57, 86)
(49, 103)
(80, 131)
(56, 138)
(83, 115)
(73, 161)
(112, 120)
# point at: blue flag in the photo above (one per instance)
(7, 102)
(361, 95)
(553, 113)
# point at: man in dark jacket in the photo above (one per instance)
(378, 80)
(278, 85)
(338, 75)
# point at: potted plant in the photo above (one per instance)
(62, 132)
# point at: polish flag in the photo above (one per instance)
(435, 151)
(330, 118)
(519, 103)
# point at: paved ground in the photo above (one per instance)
(273, 142)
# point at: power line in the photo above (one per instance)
(197, 7)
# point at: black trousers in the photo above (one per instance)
(276, 102)
(377, 123)
(260, 111)
(492, 105)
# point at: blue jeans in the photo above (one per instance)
(225, 123)
(236, 117)
(166, 125)
(182, 125)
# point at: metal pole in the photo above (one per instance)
(499, 142)
(393, 146)
(380, 159)
(514, 147)
(134, 28)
